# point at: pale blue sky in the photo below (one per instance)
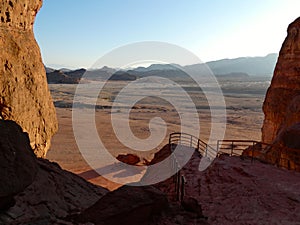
(75, 33)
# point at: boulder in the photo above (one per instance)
(24, 94)
(282, 104)
(54, 195)
(18, 165)
(127, 205)
(285, 151)
(192, 205)
(290, 137)
(129, 159)
(36, 191)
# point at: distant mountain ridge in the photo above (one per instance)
(254, 66)
(242, 67)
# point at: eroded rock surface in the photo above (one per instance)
(18, 165)
(282, 103)
(235, 190)
(24, 94)
(128, 206)
(285, 152)
(36, 191)
(54, 195)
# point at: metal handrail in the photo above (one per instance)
(191, 141)
(286, 157)
(235, 147)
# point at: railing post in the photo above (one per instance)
(252, 152)
(180, 139)
(198, 144)
(174, 166)
(231, 148)
(178, 186)
(175, 179)
(182, 188)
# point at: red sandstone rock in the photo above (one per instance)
(285, 152)
(234, 190)
(282, 103)
(129, 159)
(25, 97)
(290, 136)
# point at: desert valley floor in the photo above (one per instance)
(244, 120)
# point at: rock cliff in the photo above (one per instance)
(24, 94)
(282, 103)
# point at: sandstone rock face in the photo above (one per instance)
(285, 152)
(290, 137)
(282, 103)
(24, 94)
(18, 165)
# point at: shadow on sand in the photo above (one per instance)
(117, 169)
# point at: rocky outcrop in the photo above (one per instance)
(282, 103)
(36, 191)
(235, 191)
(285, 151)
(128, 206)
(123, 76)
(54, 195)
(24, 95)
(59, 77)
(18, 166)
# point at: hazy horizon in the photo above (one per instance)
(77, 33)
(58, 67)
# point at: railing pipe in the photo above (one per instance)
(183, 181)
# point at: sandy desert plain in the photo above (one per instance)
(243, 98)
